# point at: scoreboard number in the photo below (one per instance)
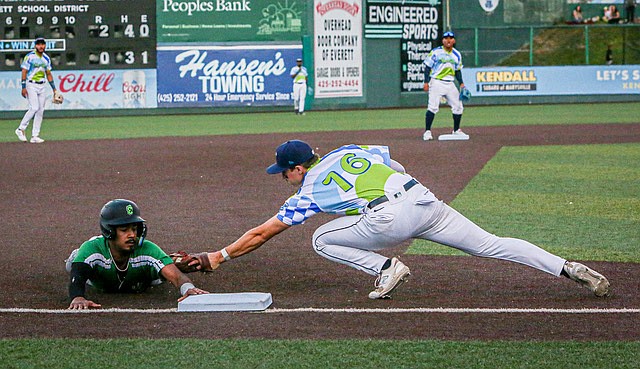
(107, 34)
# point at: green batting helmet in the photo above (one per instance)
(120, 212)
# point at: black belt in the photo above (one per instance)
(41, 82)
(382, 199)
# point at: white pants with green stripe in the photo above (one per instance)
(352, 240)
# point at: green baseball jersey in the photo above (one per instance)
(142, 271)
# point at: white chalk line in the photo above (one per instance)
(342, 310)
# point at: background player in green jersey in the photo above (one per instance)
(121, 259)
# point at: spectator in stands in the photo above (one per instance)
(611, 14)
(606, 15)
(630, 8)
(577, 15)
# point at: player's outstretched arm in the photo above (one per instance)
(251, 240)
(80, 273)
(181, 281)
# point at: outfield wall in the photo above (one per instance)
(235, 56)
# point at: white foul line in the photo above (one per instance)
(345, 310)
(458, 310)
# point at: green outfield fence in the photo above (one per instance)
(580, 44)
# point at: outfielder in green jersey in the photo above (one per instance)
(121, 259)
(382, 206)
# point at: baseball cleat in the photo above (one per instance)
(588, 277)
(36, 140)
(21, 136)
(390, 279)
(460, 133)
(454, 136)
(427, 136)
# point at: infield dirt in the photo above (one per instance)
(201, 193)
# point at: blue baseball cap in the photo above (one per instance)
(290, 154)
(448, 34)
(40, 40)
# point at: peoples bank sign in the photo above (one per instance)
(197, 6)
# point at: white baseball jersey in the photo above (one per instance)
(343, 182)
(299, 74)
(36, 66)
(443, 64)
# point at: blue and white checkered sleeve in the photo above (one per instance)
(297, 209)
(380, 152)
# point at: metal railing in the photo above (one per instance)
(583, 44)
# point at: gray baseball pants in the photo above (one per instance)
(416, 213)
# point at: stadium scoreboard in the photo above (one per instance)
(80, 34)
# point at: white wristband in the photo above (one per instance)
(186, 287)
(225, 254)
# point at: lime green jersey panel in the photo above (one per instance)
(370, 185)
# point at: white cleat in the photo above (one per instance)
(36, 140)
(390, 279)
(427, 136)
(454, 136)
(589, 278)
(21, 136)
(460, 134)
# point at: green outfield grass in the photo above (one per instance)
(298, 354)
(581, 202)
(226, 124)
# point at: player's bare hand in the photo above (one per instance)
(192, 291)
(80, 303)
(24, 93)
(426, 87)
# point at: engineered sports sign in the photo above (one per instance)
(418, 26)
(224, 76)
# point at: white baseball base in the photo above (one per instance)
(452, 137)
(243, 301)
